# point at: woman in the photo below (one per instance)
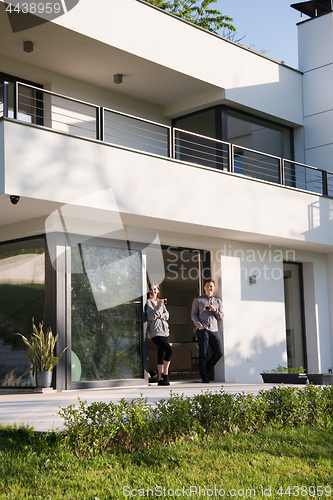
(157, 316)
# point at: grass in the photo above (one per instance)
(39, 467)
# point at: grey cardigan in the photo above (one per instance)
(157, 319)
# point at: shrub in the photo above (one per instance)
(134, 425)
(91, 428)
(215, 411)
(176, 417)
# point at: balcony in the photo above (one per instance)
(42, 108)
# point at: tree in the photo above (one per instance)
(200, 14)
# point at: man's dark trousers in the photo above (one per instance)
(205, 339)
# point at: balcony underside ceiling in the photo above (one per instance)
(27, 218)
(74, 55)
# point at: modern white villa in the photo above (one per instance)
(137, 147)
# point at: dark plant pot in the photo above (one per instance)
(284, 378)
(43, 379)
(320, 378)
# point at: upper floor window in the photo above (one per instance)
(241, 129)
(260, 135)
(26, 104)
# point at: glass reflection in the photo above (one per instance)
(22, 297)
(106, 313)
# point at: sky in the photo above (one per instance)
(266, 24)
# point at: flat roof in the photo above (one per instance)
(313, 8)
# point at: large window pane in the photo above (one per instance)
(106, 313)
(202, 123)
(253, 133)
(22, 297)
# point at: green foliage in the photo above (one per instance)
(285, 369)
(135, 425)
(215, 411)
(41, 349)
(35, 466)
(91, 428)
(176, 417)
(197, 12)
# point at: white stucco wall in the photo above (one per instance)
(315, 41)
(254, 328)
(254, 324)
(55, 167)
(152, 35)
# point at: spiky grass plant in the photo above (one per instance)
(41, 349)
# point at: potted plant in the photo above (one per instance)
(41, 354)
(320, 378)
(284, 375)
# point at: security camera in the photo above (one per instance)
(14, 199)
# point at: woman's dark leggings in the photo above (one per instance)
(164, 351)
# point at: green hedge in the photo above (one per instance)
(133, 425)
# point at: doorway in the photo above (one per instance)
(185, 271)
(294, 311)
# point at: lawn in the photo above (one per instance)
(275, 463)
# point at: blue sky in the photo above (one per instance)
(266, 24)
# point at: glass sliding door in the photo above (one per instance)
(294, 310)
(106, 305)
(22, 297)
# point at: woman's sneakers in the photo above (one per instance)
(164, 380)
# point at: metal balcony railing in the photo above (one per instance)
(41, 107)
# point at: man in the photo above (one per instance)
(206, 313)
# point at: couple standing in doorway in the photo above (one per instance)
(206, 314)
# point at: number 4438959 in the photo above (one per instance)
(35, 8)
(305, 491)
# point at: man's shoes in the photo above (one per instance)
(205, 381)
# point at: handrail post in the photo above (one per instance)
(232, 158)
(229, 158)
(170, 142)
(5, 99)
(15, 103)
(173, 143)
(97, 118)
(324, 177)
(101, 123)
(282, 180)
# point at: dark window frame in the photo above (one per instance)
(302, 306)
(221, 123)
(39, 94)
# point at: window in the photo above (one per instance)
(106, 307)
(29, 102)
(22, 297)
(258, 144)
(260, 135)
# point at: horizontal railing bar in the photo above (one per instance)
(137, 118)
(135, 128)
(135, 142)
(132, 134)
(303, 165)
(203, 151)
(44, 91)
(45, 110)
(72, 124)
(256, 152)
(206, 160)
(198, 135)
(207, 151)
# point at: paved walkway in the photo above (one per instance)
(41, 410)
